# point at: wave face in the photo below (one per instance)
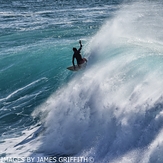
(112, 110)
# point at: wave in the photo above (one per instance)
(113, 109)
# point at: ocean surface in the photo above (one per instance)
(109, 112)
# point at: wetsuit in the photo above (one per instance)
(78, 56)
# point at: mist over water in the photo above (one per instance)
(112, 110)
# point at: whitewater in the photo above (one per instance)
(109, 112)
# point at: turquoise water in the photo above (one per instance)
(112, 110)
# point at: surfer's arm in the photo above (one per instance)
(73, 61)
(80, 46)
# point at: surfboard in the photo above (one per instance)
(77, 68)
(71, 68)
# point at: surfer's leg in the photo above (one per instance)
(84, 59)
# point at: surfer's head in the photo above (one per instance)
(74, 49)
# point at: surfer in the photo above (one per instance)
(78, 56)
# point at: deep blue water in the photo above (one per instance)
(112, 110)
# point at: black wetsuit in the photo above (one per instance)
(78, 56)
